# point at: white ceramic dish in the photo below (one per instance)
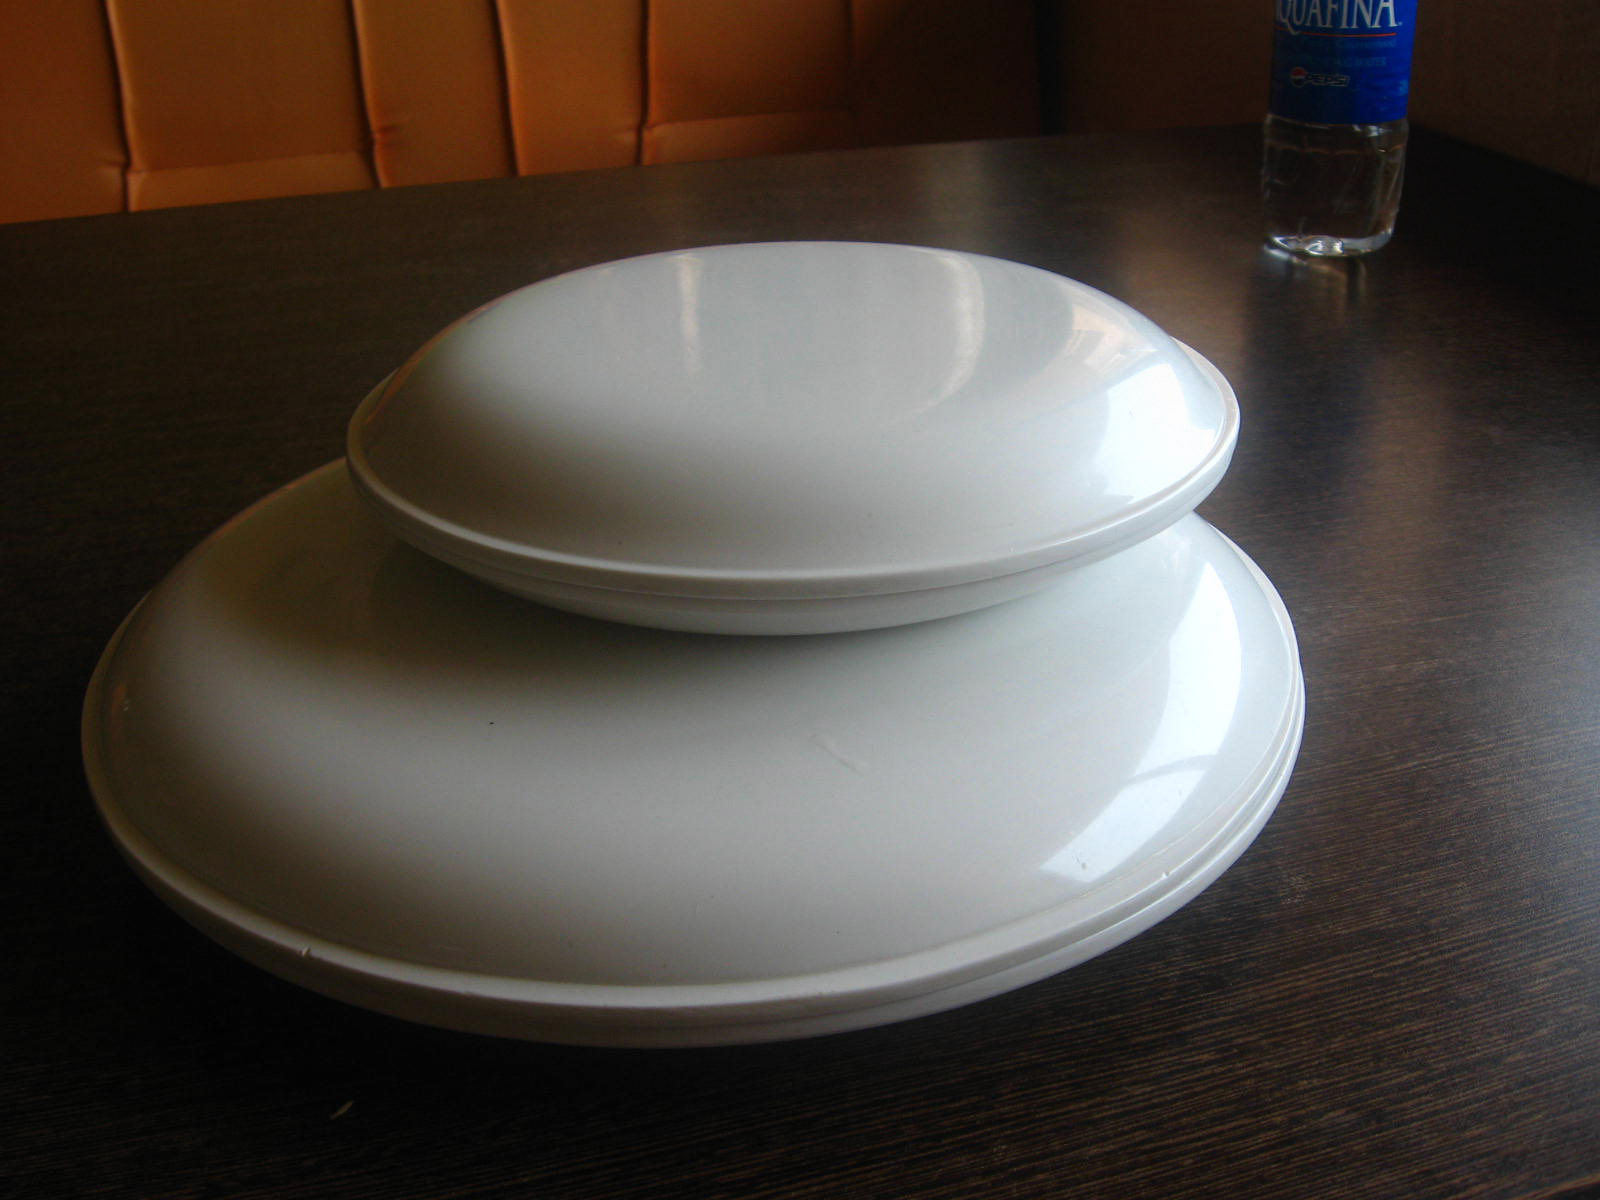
(373, 775)
(791, 437)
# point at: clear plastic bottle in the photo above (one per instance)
(1335, 135)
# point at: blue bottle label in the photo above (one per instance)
(1342, 62)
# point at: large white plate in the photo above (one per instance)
(375, 776)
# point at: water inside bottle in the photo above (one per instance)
(1332, 189)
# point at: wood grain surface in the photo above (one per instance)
(1395, 992)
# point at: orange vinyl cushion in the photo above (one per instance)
(111, 104)
(575, 83)
(237, 99)
(435, 89)
(727, 75)
(61, 149)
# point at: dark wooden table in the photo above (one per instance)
(1396, 992)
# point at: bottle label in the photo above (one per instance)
(1342, 62)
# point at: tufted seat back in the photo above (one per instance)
(108, 105)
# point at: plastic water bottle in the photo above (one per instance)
(1336, 123)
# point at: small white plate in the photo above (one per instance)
(792, 437)
(375, 776)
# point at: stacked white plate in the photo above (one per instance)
(1073, 704)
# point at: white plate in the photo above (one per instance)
(792, 437)
(377, 777)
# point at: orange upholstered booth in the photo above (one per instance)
(107, 105)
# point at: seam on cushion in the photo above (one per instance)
(782, 112)
(227, 174)
(506, 124)
(119, 69)
(360, 71)
(241, 162)
(646, 90)
(850, 65)
(512, 115)
(668, 128)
